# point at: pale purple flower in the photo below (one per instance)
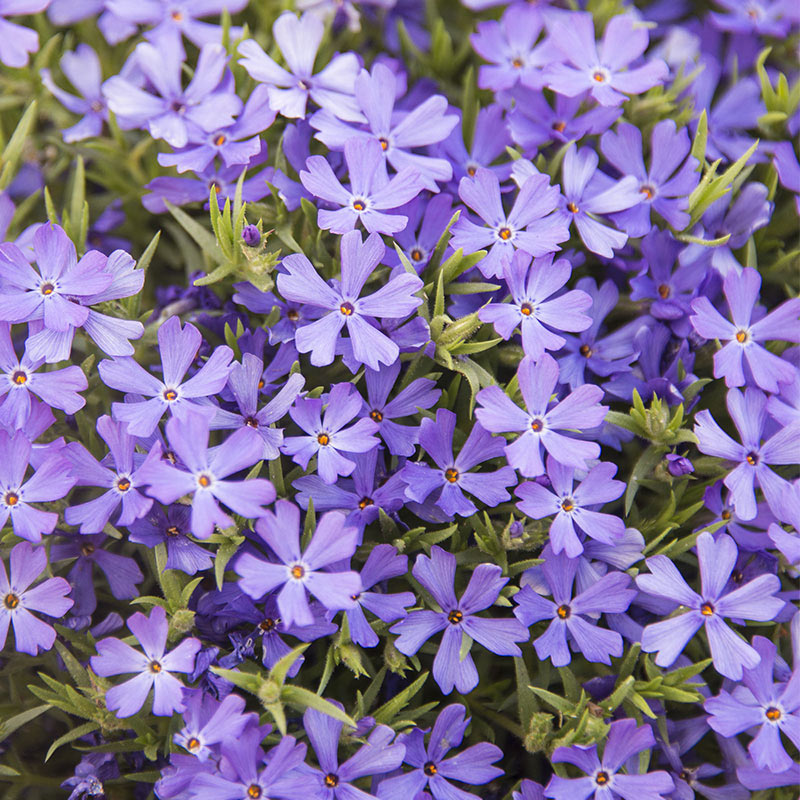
(296, 573)
(208, 722)
(153, 667)
(17, 42)
(754, 601)
(18, 600)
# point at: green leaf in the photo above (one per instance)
(386, 714)
(559, 703)
(282, 667)
(244, 680)
(203, 238)
(12, 152)
(224, 554)
(71, 736)
(301, 699)
(700, 140)
(8, 726)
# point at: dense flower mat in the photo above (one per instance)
(399, 399)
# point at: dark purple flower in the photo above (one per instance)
(755, 601)
(299, 40)
(447, 484)
(666, 186)
(171, 528)
(431, 768)
(452, 668)
(122, 484)
(529, 791)
(153, 667)
(678, 465)
(333, 780)
(748, 534)
(748, 412)
(535, 309)
(742, 335)
(569, 616)
(179, 348)
(589, 193)
(16, 42)
(326, 435)
(93, 769)
(51, 481)
(531, 224)
(296, 572)
(541, 424)
(251, 236)
(760, 703)
(573, 507)
(427, 218)
(49, 597)
(398, 133)
(396, 300)
(602, 73)
(603, 779)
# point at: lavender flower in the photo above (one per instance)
(326, 435)
(742, 335)
(568, 615)
(760, 703)
(51, 481)
(530, 225)
(453, 478)
(49, 597)
(602, 73)
(289, 90)
(534, 308)
(179, 348)
(540, 425)
(16, 42)
(753, 601)
(370, 194)
(748, 412)
(153, 667)
(122, 483)
(570, 505)
(299, 572)
(452, 668)
(395, 300)
(603, 777)
(208, 722)
(431, 768)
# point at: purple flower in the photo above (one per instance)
(251, 236)
(748, 534)
(179, 348)
(742, 335)
(510, 46)
(370, 193)
(788, 169)
(534, 308)
(49, 597)
(326, 435)
(603, 779)
(254, 425)
(17, 42)
(603, 74)
(50, 299)
(205, 474)
(420, 393)
(51, 481)
(427, 218)
(154, 667)
(333, 780)
(754, 601)
(529, 791)
(383, 563)
(589, 193)
(208, 722)
(453, 478)
(170, 110)
(665, 187)
(530, 225)
(395, 300)
(748, 412)
(397, 133)
(678, 465)
(452, 668)
(432, 770)
(122, 483)
(296, 572)
(299, 40)
(58, 388)
(573, 507)
(92, 770)
(765, 17)
(82, 68)
(170, 527)
(759, 703)
(540, 425)
(568, 615)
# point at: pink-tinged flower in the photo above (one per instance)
(17, 600)
(16, 42)
(154, 666)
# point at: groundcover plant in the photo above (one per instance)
(399, 399)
